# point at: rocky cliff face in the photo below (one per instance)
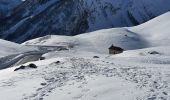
(35, 18)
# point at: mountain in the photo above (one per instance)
(6, 6)
(150, 34)
(86, 71)
(36, 18)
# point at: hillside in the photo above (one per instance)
(9, 48)
(83, 69)
(152, 33)
(156, 31)
(37, 18)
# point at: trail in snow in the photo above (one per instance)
(153, 83)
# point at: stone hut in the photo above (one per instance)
(115, 50)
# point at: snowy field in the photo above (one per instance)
(88, 78)
(85, 70)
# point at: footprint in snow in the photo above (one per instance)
(95, 95)
(85, 90)
(78, 96)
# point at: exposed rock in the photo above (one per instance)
(32, 65)
(24, 67)
(153, 52)
(57, 62)
(42, 58)
(43, 84)
(96, 57)
(21, 67)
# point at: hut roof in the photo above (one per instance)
(115, 48)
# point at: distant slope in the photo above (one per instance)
(8, 48)
(156, 31)
(36, 18)
(98, 41)
(152, 33)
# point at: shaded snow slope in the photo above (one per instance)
(8, 48)
(153, 33)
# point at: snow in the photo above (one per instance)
(149, 34)
(86, 78)
(139, 73)
(156, 31)
(92, 90)
(98, 41)
(8, 48)
(69, 80)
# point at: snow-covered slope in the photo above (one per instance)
(155, 31)
(98, 41)
(8, 48)
(77, 74)
(152, 33)
(36, 18)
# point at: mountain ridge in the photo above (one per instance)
(33, 18)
